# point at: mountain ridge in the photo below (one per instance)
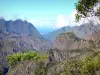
(80, 31)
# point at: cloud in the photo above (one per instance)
(69, 20)
(66, 20)
(61, 21)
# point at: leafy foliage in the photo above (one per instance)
(84, 8)
(73, 67)
(41, 69)
(17, 57)
(87, 66)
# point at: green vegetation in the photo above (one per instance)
(41, 69)
(17, 57)
(87, 66)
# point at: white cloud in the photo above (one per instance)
(69, 20)
(61, 21)
(66, 20)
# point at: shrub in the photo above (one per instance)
(87, 66)
(41, 69)
(17, 57)
(73, 67)
(13, 59)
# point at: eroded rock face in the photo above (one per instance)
(27, 67)
(24, 68)
(56, 55)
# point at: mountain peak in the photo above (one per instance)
(67, 35)
(19, 26)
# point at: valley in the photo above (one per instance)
(71, 48)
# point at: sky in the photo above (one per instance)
(45, 15)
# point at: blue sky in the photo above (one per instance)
(46, 15)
